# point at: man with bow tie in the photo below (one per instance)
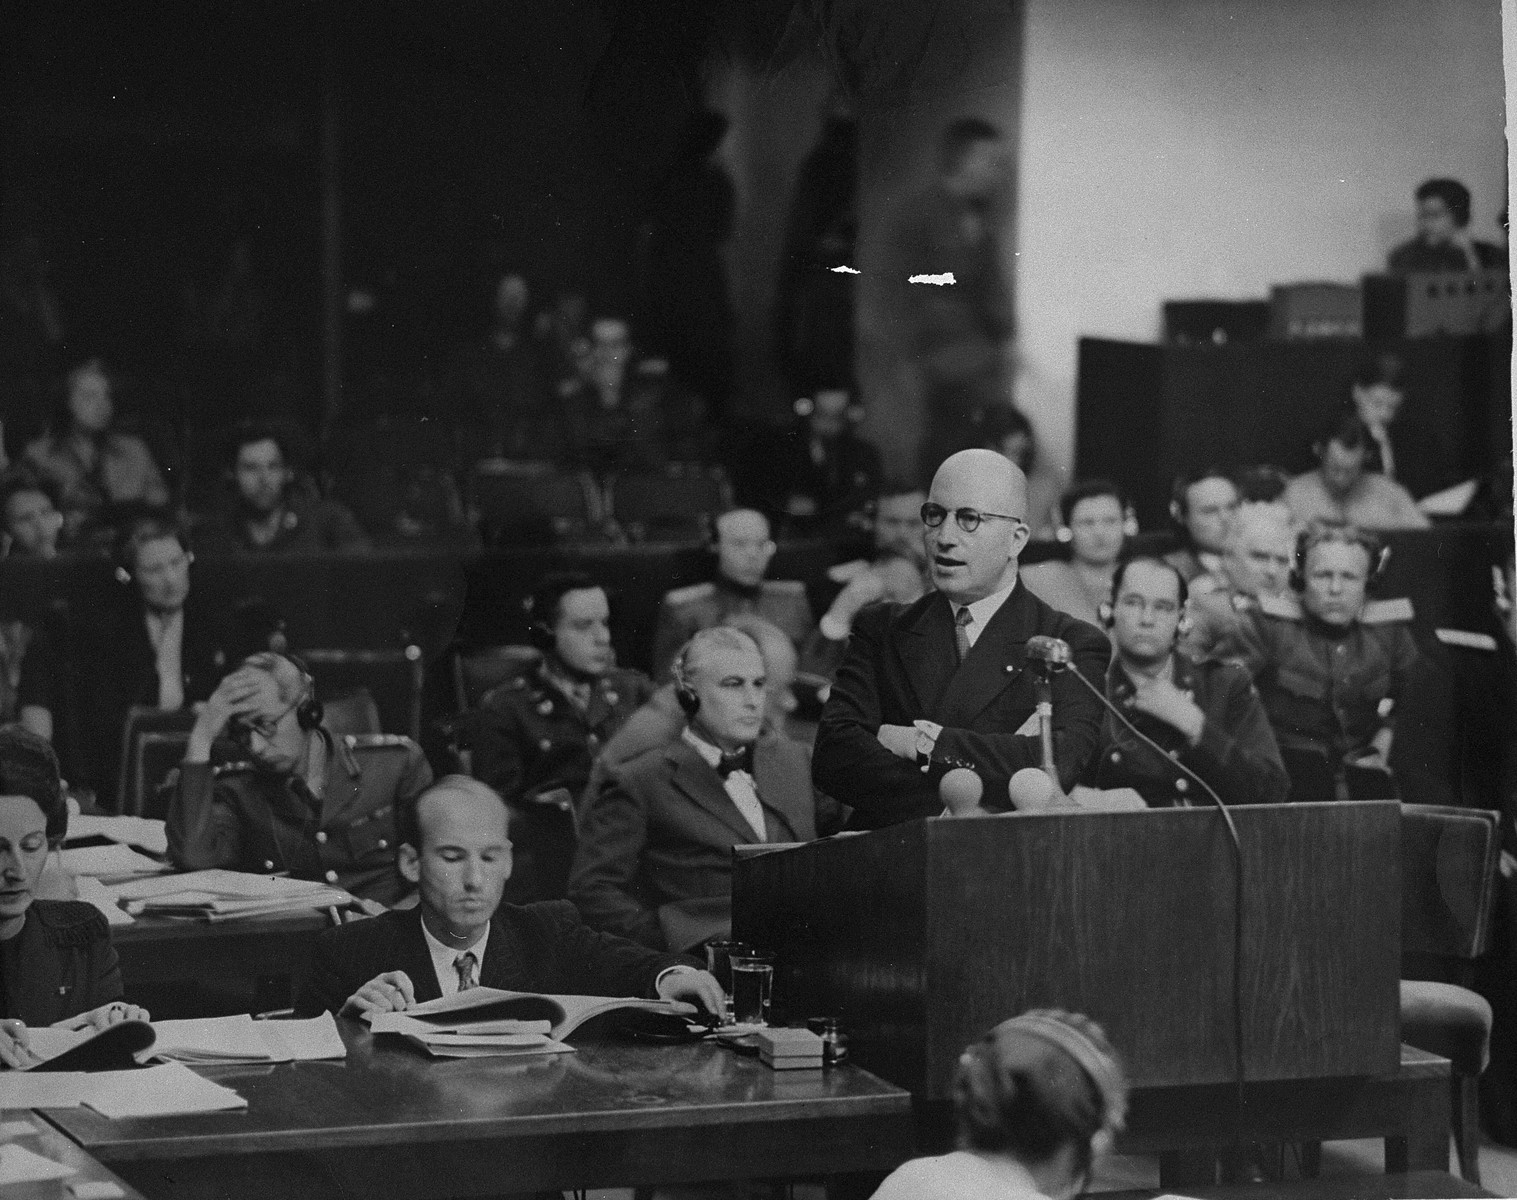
(655, 849)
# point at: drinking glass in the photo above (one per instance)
(752, 988)
(719, 957)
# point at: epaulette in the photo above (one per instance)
(1386, 612)
(232, 768)
(684, 595)
(784, 587)
(376, 741)
(1287, 608)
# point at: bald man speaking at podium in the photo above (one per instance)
(947, 681)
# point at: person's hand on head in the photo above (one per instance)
(390, 992)
(693, 987)
(864, 589)
(239, 694)
(15, 1048)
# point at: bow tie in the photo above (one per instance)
(738, 760)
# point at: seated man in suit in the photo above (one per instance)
(946, 681)
(303, 801)
(1203, 715)
(1332, 667)
(534, 737)
(743, 550)
(456, 849)
(1344, 491)
(655, 845)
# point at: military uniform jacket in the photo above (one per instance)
(529, 737)
(1217, 618)
(1326, 688)
(687, 610)
(68, 965)
(238, 816)
(1237, 755)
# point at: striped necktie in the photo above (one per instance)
(962, 620)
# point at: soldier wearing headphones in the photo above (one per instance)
(742, 546)
(302, 801)
(534, 737)
(1331, 666)
(1203, 714)
(654, 862)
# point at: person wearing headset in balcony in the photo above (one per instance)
(301, 800)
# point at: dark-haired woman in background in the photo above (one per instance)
(57, 965)
(1038, 1101)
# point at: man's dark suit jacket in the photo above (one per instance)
(902, 666)
(655, 845)
(532, 948)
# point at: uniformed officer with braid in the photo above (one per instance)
(1332, 666)
(303, 800)
(534, 737)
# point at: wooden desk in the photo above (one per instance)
(388, 1122)
(1429, 1184)
(200, 968)
(41, 1138)
(1408, 1108)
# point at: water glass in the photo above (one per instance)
(752, 988)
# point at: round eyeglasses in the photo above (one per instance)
(967, 519)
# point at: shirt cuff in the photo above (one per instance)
(682, 968)
(834, 628)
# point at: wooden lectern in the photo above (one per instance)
(922, 936)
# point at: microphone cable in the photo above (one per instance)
(1237, 846)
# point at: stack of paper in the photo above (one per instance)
(240, 1039)
(466, 1039)
(222, 895)
(169, 1090)
(92, 891)
(142, 832)
(109, 861)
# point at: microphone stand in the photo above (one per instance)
(1044, 691)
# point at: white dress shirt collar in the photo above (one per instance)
(444, 959)
(740, 786)
(982, 610)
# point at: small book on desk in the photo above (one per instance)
(484, 1020)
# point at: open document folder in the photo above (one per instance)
(484, 1021)
(204, 1041)
(219, 895)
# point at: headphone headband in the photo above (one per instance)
(1103, 1070)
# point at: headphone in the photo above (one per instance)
(539, 632)
(127, 543)
(541, 605)
(1059, 1029)
(1107, 608)
(1179, 492)
(1344, 535)
(684, 693)
(308, 709)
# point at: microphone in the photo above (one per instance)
(960, 791)
(1053, 653)
(1032, 789)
